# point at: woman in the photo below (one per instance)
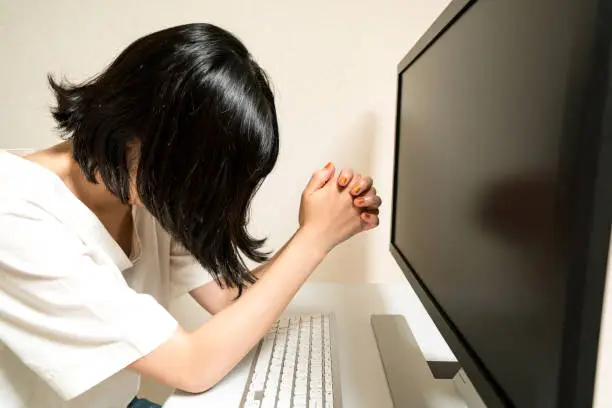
(147, 199)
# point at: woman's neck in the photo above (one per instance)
(112, 213)
(59, 159)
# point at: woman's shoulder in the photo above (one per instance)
(30, 192)
(21, 179)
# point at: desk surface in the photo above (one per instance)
(363, 383)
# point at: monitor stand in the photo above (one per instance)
(412, 381)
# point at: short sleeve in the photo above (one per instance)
(186, 273)
(65, 309)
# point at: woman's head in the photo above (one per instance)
(200, 112)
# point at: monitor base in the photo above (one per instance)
(409, 376)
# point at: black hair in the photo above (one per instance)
(203, 114)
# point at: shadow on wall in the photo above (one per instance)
(349, 261)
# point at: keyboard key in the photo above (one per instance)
(267, 403)
(316, 395)
(315, 403)
(316, 385)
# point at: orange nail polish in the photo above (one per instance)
(360, 201)
(342, 180)
(328, 165)
(366, 216)
(356, 189)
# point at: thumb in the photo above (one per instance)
(320, 178)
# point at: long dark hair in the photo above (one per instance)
(203, 114)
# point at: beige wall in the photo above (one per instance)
(332, 64)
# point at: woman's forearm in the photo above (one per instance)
(220, 343)
(261, 269)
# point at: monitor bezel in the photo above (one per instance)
(592, 177)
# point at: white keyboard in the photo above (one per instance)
(295, 366)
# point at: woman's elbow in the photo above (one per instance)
(196, 384)
(196, 379)
(196, 387)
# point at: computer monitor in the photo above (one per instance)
(503, 191)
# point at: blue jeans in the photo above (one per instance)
(142, 403)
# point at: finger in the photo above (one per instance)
(345, 177)
(369, 201)
(320, 178)
(369, 221)
(370, 193)
(354, 181)
(362, 186)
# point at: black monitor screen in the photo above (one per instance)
(478, 215)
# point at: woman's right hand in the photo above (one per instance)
(327, 212)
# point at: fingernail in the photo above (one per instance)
(342, 180)
(366, 216)
(360, 201)
(356, 189)
(328, 165)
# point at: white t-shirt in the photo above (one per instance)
(74, 309)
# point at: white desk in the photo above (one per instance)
(363, 383)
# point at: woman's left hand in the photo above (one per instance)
(364, 193)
